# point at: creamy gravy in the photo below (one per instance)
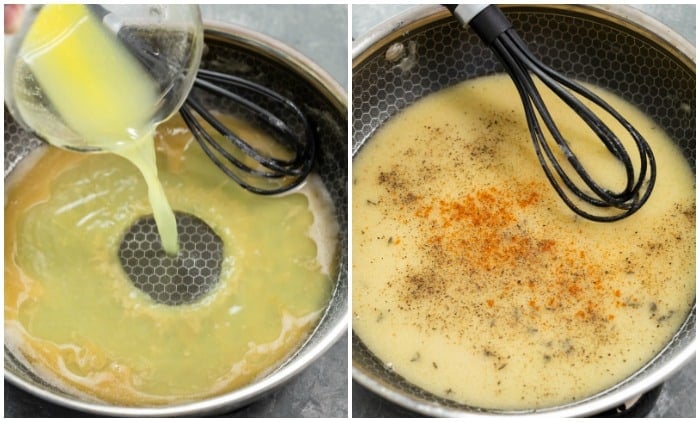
(72, 314)
(473, 280)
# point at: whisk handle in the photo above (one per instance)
(486, 20)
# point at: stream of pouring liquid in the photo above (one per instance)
(143, 155)
(102, 92)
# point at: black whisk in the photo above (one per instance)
(255, 168)
(496, 31)
(276, 165)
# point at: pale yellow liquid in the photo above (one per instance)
(473, 280)
(101, 92)
(72, 314)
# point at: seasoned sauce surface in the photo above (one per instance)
(73, 315)
(473, 280)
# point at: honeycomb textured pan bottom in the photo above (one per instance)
(172, 280)
(74, 227)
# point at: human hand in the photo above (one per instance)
(13, 17)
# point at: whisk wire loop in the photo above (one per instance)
(564, 87)
(269, 162)
(544, 153)
(211, 142)
(497, 32)
(285, 135)
(519, 64)
(206, 78)
(299, 143)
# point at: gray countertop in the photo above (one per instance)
(320, 33)
(678, 395)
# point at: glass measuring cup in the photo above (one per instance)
(164, 45)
